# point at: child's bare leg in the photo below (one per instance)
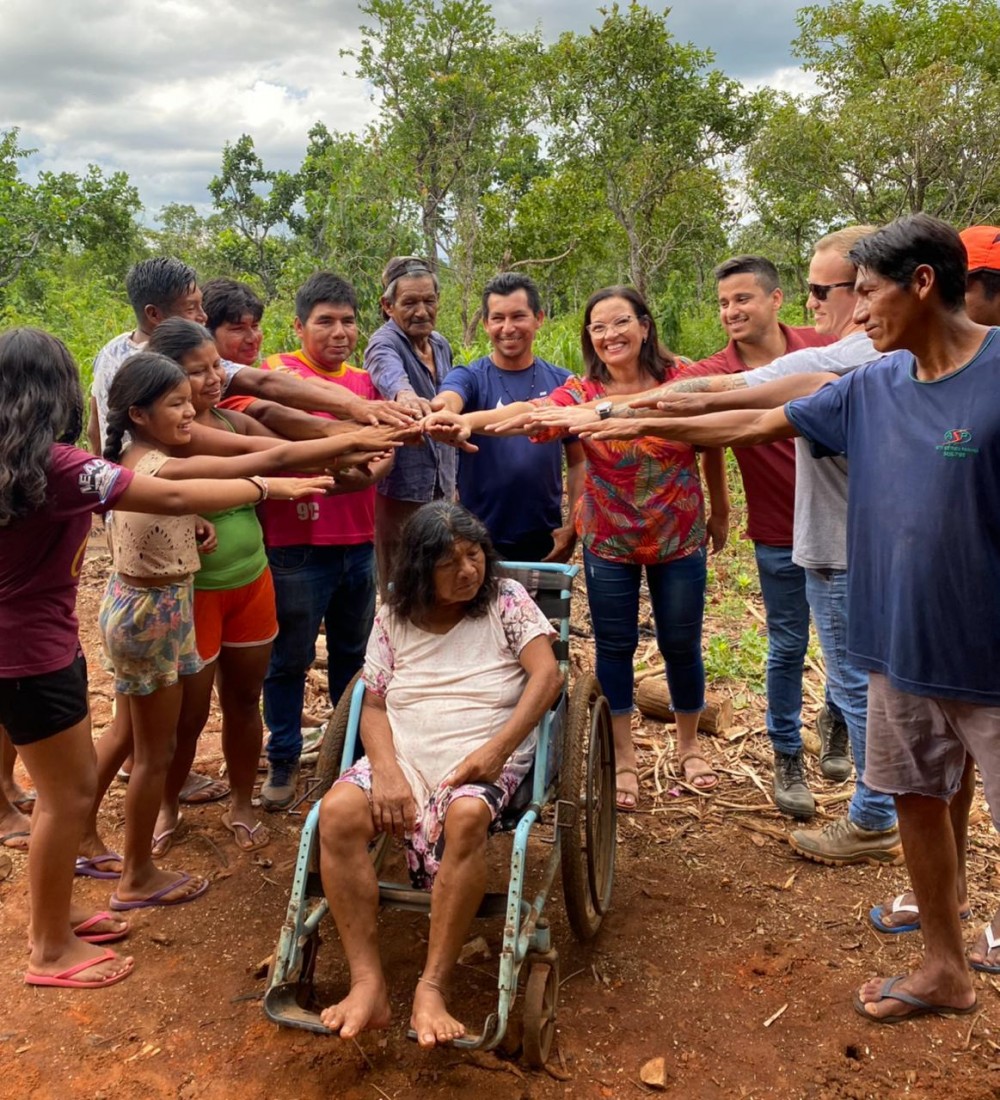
(458, 891)
(154, 728)
(241, 678)
(351, 888)
(63, 769)
(9, 788)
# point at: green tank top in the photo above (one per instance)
(240, 557)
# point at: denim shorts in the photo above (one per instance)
(148, 635)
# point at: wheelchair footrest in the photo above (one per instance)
(281, 1005)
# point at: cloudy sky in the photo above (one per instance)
(157, 89)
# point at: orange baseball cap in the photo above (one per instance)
(982, 244)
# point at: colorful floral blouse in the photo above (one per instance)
(642, 500)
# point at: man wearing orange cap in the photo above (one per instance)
(982, 286)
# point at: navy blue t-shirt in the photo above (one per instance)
(923, 519)
(513, 485)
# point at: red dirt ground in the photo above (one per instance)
(724, 954)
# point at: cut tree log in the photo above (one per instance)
(652, 697)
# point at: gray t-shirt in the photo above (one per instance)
(819, 534)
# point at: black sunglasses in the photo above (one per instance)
(820, 290)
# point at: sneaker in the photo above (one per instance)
(791, 795)
(841, 842)
(278, 790)
(834, 746)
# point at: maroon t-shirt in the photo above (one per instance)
(40, 559)
(768, 469)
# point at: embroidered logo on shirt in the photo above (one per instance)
(98, 476)
(955, 444)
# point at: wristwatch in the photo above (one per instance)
(603, 409)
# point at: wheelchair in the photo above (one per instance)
(569, 796)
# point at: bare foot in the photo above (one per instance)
(875, 998)
(365, 1008)
(902, 912)
(431, 1019)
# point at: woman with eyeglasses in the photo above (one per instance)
(642, 508)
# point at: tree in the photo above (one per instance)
(255, 202)
(905, 120)
(453, 92)
(62, 213)
(648, 118)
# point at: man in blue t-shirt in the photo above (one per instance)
(513, 485)
(921, 429)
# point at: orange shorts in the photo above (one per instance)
(236, 617)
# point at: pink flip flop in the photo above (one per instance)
(65, 979)
(82, 930)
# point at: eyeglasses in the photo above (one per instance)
(615, 328)
(820, 290)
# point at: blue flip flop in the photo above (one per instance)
(876, 914)
(920, 1007)
(90, 866)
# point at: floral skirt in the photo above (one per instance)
(425, 845)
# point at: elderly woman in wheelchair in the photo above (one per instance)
(459, 671)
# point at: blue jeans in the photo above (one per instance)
(847, 686)
(334, 585)
(677, 593)
(783, 586)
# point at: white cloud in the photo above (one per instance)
(156, 89)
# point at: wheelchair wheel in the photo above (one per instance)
(587, 781)
(540, 996)
(334, 736)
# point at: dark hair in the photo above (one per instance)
(177, 337)
(324, 286)
(654, 358)
(428, 536)
(990, 281)
(225, 301)
(40, 404)
(759, 267)
(141, 380)
(509, 282)
(158, 282)
(897, 250)
(405, 267)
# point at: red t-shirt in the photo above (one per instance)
(768, 470)
(318, 520)
(40, 559)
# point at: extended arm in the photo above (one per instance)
(182, 498)
(310, 396)
(94, 428)
(769, 395)
(738, 428)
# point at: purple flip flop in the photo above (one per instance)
(159, 896)
(90, 866)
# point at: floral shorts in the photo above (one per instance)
(425, 845)
(148, 635)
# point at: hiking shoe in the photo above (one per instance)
(278, 790)
(841, 842)
(834, 746)
(791, 794)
